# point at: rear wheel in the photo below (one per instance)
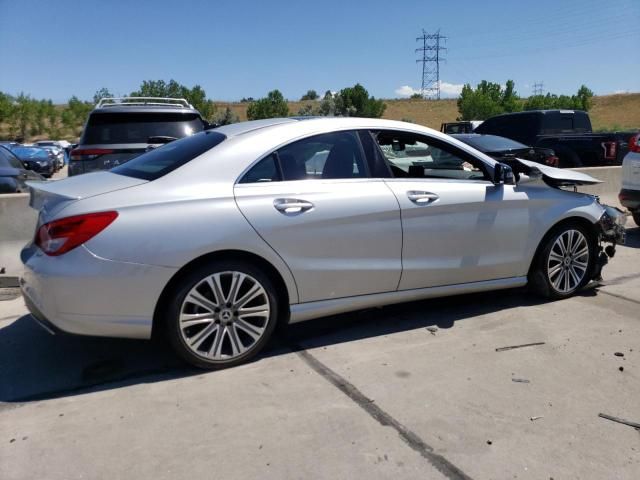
(564, 263)
(636, 216)
(222, 315)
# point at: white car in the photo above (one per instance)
(630, 193)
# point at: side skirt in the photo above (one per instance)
(310, 310)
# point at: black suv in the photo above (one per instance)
(119, 129)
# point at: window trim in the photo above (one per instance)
(435, 142)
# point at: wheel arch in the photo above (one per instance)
(240, 255)
(589, 225)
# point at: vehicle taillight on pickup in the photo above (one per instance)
(610, 150)
(60, 236)
(552, 160)
(634, 143)
(88, 153)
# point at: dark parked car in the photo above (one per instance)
(57, 152)
(503, 149)
(567, 132)
(13, 175)
(120, 129)
(36, 159)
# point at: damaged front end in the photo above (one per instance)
(611, 231)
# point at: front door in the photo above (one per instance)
(458, 227)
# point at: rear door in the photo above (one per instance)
(458, 227)
(314, 203)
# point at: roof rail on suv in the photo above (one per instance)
(119, 101)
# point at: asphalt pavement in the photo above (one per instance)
(421, 390)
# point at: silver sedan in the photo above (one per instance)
(214, 239)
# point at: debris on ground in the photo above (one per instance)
(489, 442)
(520, 380)
(502, 349)
(620, 420)
(619, 354)
(432, 330)
(533, 419)
(621, 369)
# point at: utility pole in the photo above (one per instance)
(430, 60)
(538, 88)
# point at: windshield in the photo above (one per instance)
(490, 143)
(30, 153)
(162, 160)
(106, 128)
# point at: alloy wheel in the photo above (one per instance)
(224, 315)
(568, 261)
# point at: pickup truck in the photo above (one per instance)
(567, 132)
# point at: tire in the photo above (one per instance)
(219, 335)
(556, 274)
(636, 217)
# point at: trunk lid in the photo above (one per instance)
(50, 197)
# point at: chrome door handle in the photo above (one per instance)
(421, 198)
(291, 205)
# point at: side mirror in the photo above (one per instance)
(502, 173)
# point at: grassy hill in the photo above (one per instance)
(610, 112)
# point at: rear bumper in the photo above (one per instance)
(83, 294)
(630, 199)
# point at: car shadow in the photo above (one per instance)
(37, 366)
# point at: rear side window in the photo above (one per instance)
(105, 128)
(160, 161)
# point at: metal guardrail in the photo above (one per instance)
(163, 101)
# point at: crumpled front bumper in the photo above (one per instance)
(611, 231)
(611, 225)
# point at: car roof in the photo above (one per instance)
(320, 123)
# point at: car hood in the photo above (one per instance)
(557, 176)
(51, 196)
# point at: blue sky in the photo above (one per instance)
(233, 49)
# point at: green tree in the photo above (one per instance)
(488, 99)
(356, 102)
(226, 117)
(272, 106)
(307, 111)
(310, 95)
(416, 96)
(196, 95)
(102, 93)
(585, 96)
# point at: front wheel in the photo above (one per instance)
(564, 263)
(222, 315)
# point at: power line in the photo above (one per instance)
(538, 89)
(430, 60)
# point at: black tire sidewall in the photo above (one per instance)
(540, 274)
(186, 283)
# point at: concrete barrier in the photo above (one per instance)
(18, 220)
(609, 188)
(17, 226)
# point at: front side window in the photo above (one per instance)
(8, 159)
(416, 156)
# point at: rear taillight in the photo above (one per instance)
(552, 160)
(88, 153)
(60, 236)
(610, 149)
(634, 143)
